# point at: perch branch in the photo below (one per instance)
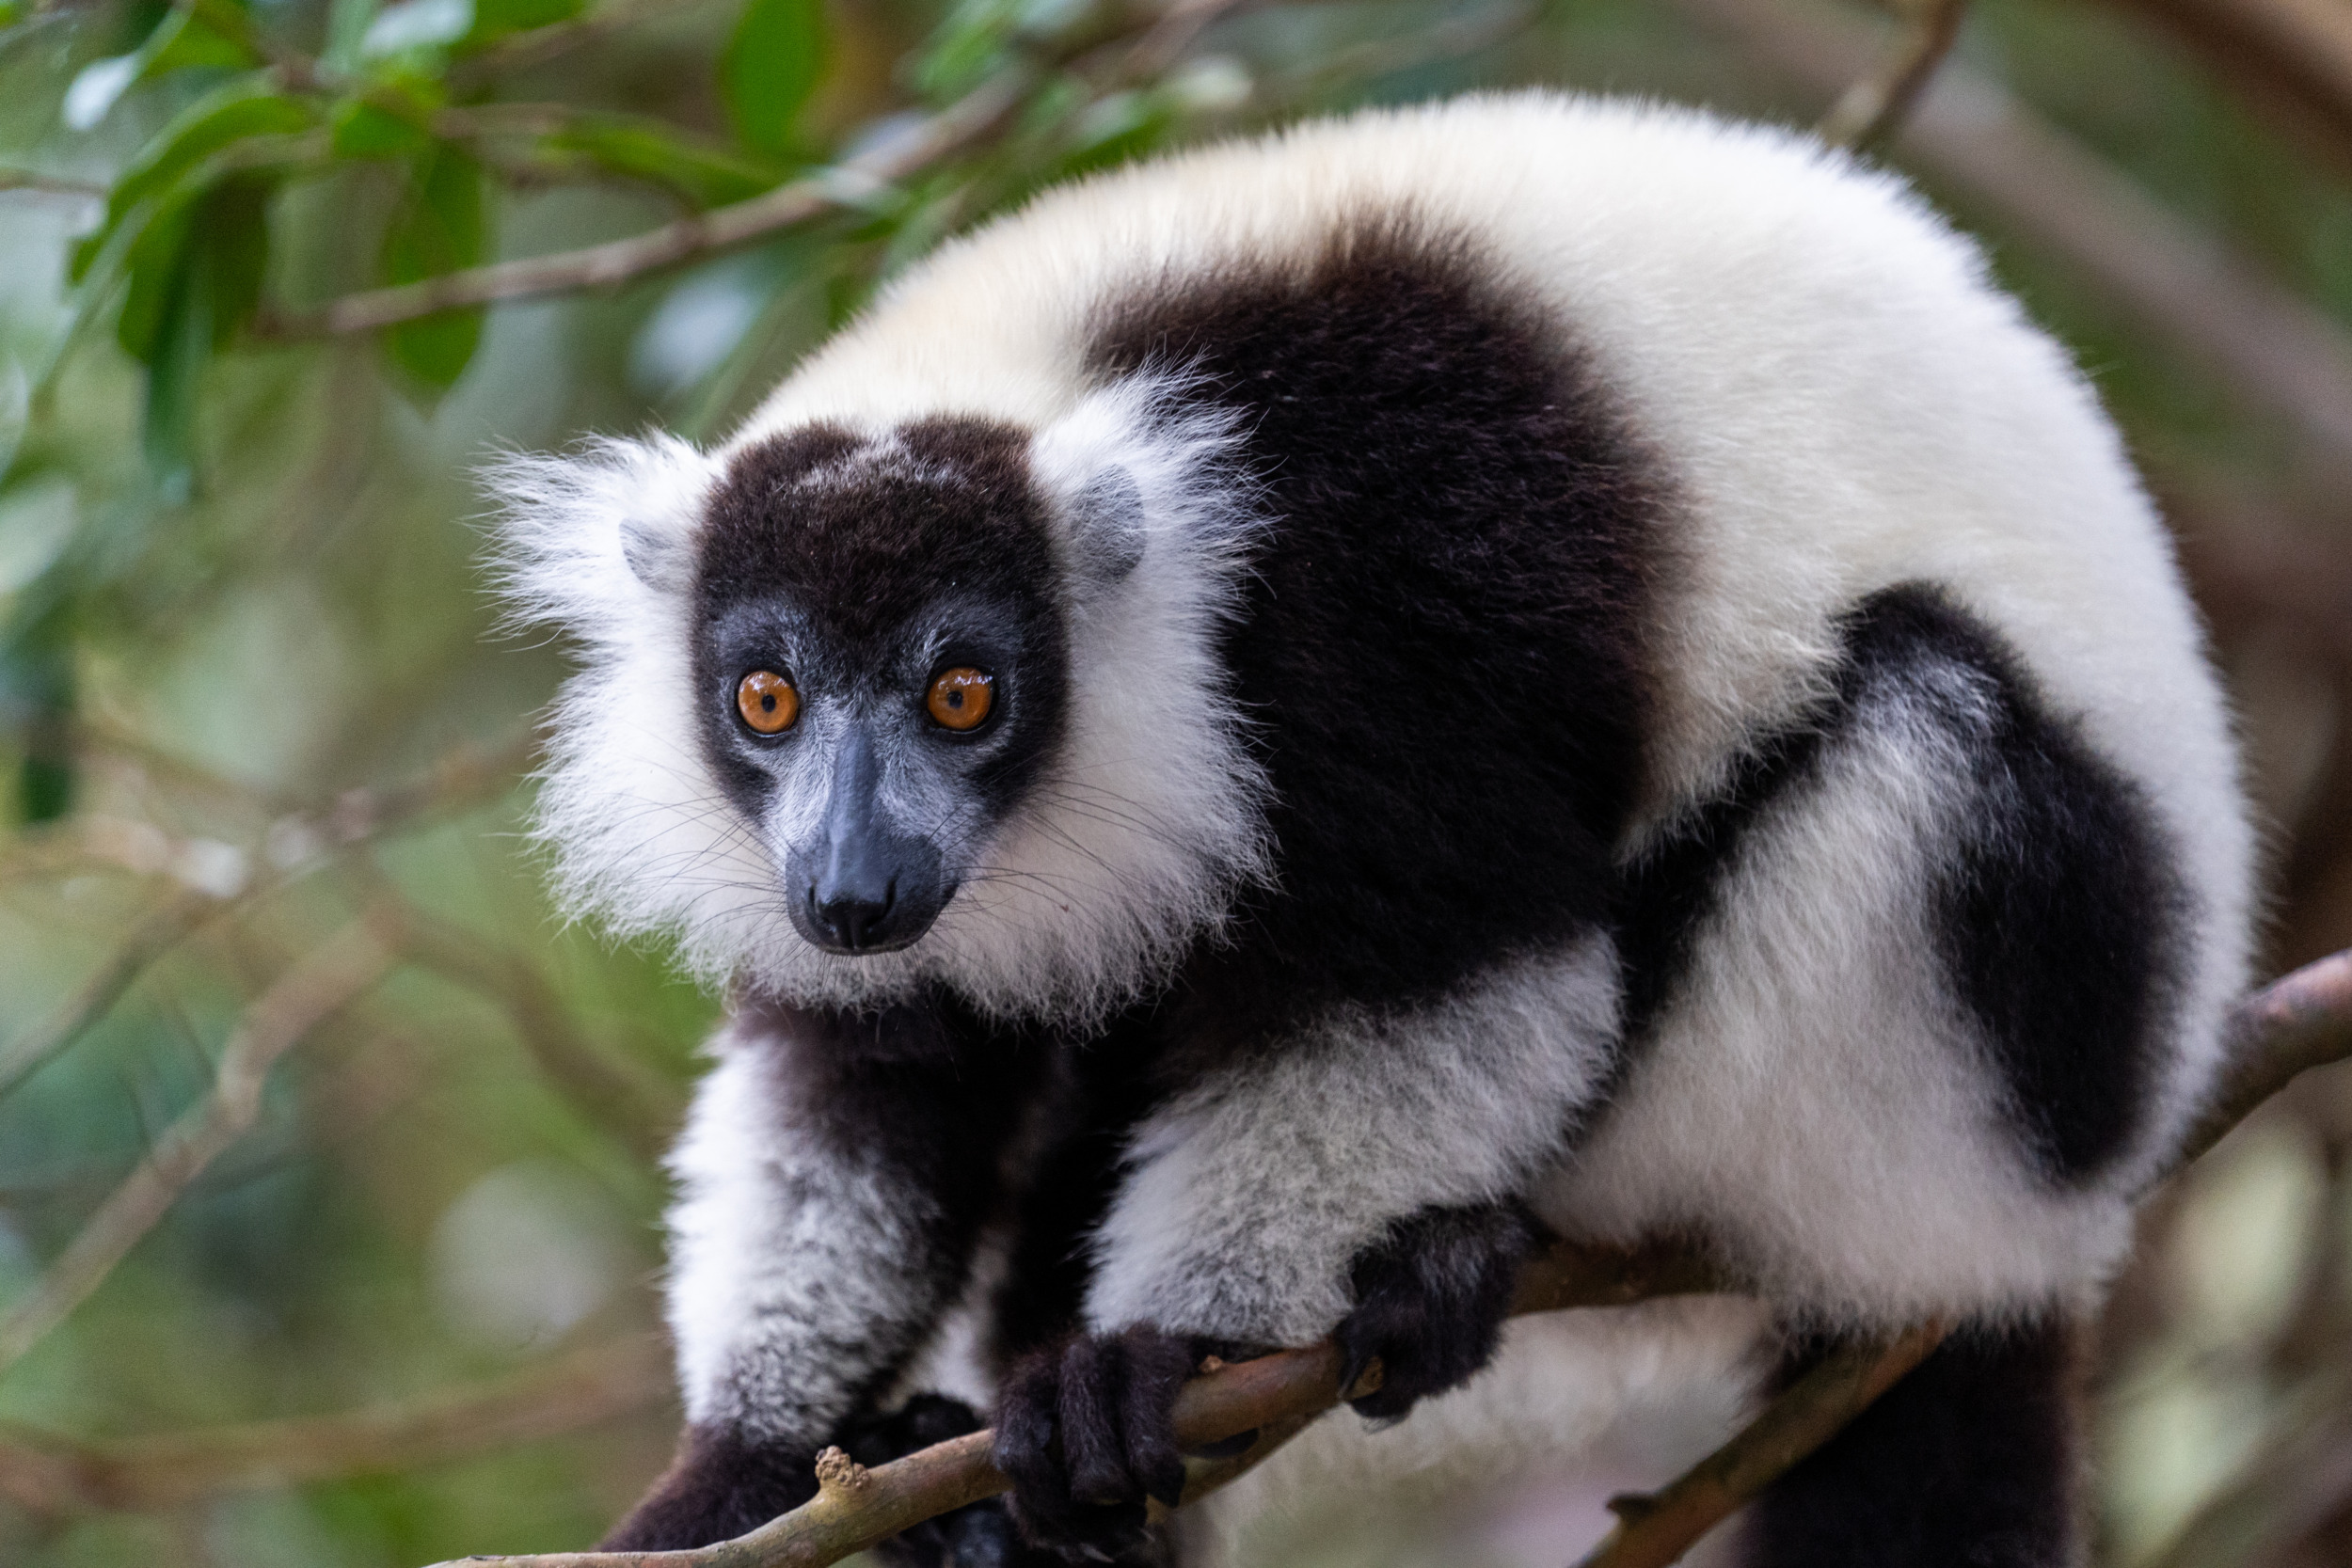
(54, 1477)
(323, 982)
(2300, 1022)
(1879, 102)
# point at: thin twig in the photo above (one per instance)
(1654, 1529)
(612, 1091)
(156, 934)
(933, 141)
(51, 184)
(297, 844)
(54, 1476)
(323, 982)
(1878, 103)
(1278, 1395)
(540, 44)
(2290, 55)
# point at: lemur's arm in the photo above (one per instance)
(1363, 1181)
(833, 1177)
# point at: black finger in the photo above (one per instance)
(1023, 1449)
(1092, 1386)
(1158, 1365)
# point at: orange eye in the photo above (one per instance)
(767, 701)
(960, 698)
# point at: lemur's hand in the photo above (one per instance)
(722, 1484)
(1430, 1299)
(1087, 1431)
(978, 1535)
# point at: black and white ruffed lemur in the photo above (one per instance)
(1280, 724)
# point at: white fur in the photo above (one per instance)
(794, 1267)
(1250, 1194)
(1813, 1101)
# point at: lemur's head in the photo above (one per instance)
(936, 703)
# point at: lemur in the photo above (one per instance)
(1282, 724)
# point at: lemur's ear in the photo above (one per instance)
(1106, 532)
(656, 554)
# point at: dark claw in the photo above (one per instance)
(1430, 1300)
(1086, 1429)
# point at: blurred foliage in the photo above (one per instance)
(251, 684)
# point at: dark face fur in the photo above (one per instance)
(858, 572)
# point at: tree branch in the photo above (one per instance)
(1878, 103)
(324, 981)
(2277, 352)
(930, 142)
(1654, 1529)
(295, 843)
(2300, 1022)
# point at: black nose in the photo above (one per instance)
(850, 919)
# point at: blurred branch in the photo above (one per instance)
(323, 982)
(540, 44)
(1879, 102)
(2290, 54)
(612, 1092)
(215, 877)
(51, 184)
(929, 142)
(52, 1476)
(2298, 1480)
(2297, 1022)
(2276, 351)
(158, 931)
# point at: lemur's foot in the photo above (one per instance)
(980, 1535)
(1430, 1299)
(1087, 1431)
(722, 1484)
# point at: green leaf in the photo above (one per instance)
(441, 228)
(495, 19)
(649, 149)
(235, 111)
(190, 302)
(369, 128)
(183, 38)
(771, 66)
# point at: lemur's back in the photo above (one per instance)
(1553, 661)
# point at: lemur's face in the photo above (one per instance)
(880, 664)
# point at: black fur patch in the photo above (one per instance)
(1105, 1087)
(820, 547)
(2063, 916)
(1967, 1462)
(720, 1485)
(1430, 1300)
(2056, 909)
(1443, 628)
